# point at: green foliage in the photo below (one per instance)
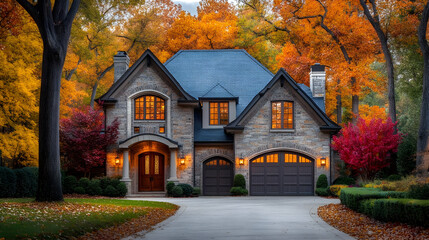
(344, 181)
(122, 189)
(104, 182)
(84, 183)
(322, 181)
(94, 188)
(70, 183)
(322, 192)
(110, 191)
(352, 197)
(196, 192)
(7, 182)
(177, 191)
(169, 187)
(419, 191)
(411, 211)
(26, 183)
(79, 190)
(238, 191)
(186, 189)
(394, 177)
(335, 190)
(239, 181)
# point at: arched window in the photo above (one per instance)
(149, 108)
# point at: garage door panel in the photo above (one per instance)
(291, 175)
(217, 177)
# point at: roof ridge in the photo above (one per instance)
(218, 84)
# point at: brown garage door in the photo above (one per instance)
(281, 174)
(217, 174)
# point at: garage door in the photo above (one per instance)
(217, 177)
(281, 174)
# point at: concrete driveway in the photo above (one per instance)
(263, 218)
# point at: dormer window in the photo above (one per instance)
(149, 108)
(282, 115)
(219, 113)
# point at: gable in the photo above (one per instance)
(149, 60)
(283, 80)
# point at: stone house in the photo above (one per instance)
(205, 115)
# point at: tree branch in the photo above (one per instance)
(30, 8)
(72, 13)
(60, 10)
(423, 29)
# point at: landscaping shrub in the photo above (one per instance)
(104, 182)
(411, 211)
(186, 189)
(322, 192)
(336, 189)
(367, 206)
(196, 192)
(352, 197)
(238, 191)
(70, 183)
(419, 191)
(122, 189)
(177, 191)
(394, 177)
(344, 181)
(169, 187)
(26, 183)
(79, 190)
(239, 181)
(84, 183)
(322, 181)
(94, 188)
(114, 182)
(7, 182)
(110, 191)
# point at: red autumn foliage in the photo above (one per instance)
(84, 138)
(366, 146)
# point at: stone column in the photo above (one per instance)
(126, 171)
(173, 168)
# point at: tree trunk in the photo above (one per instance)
(339, 109)
(93, 93)
(422, 161)
(355, 102)
(390, 81)
(49, 187)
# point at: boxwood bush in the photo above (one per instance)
(169, 188)
(322, 192)
(351, 197)
(238, 191)
(70, 182)
(322, 181)
(177, 191)
(94, 188)
(7, 182)
(419, 191)
(26, 183)
(239, 181)
(186, 189)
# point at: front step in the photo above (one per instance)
(147, 194)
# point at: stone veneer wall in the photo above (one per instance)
(205, 152)
(149, 78)
(257, 136)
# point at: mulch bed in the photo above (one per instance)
(362, 227)
(146, 222)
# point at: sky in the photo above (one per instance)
(188, 5)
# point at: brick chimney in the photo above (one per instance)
(121, 62)
(317, 80)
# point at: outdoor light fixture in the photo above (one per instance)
(241, 161)
(323, 161)
(182, 161)
(117, 160)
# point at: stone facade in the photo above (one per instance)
(258, 137)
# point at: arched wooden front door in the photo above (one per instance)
(151, 172)
(218, 174)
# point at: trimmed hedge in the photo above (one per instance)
(26, 183)
(238, 191)
(177, 191)
(169, 187)
(322, 181)
(322, 192)
(419, 191)
(7, 182)
(351, 197)
(411, 211)
(69, 184)
(239, 181)
(196, 191)
(186, 189)
(344, 181)
(94, 188)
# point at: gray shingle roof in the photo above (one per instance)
(320, 101)
(198, 71)
(218, 91)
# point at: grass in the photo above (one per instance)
(24, 218)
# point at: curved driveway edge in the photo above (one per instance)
(244, 218)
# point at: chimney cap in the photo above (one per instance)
(121, 54)
(318, 68)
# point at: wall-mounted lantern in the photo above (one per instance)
(241, 161)
(182, 161)
(117, 160)
(323, 162)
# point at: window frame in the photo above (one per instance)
(282, 127)
(218, 113)
(154, 108)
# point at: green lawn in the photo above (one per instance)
(24, 218)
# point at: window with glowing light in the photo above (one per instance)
(219, 114)
(149, 108)
(282, 115)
